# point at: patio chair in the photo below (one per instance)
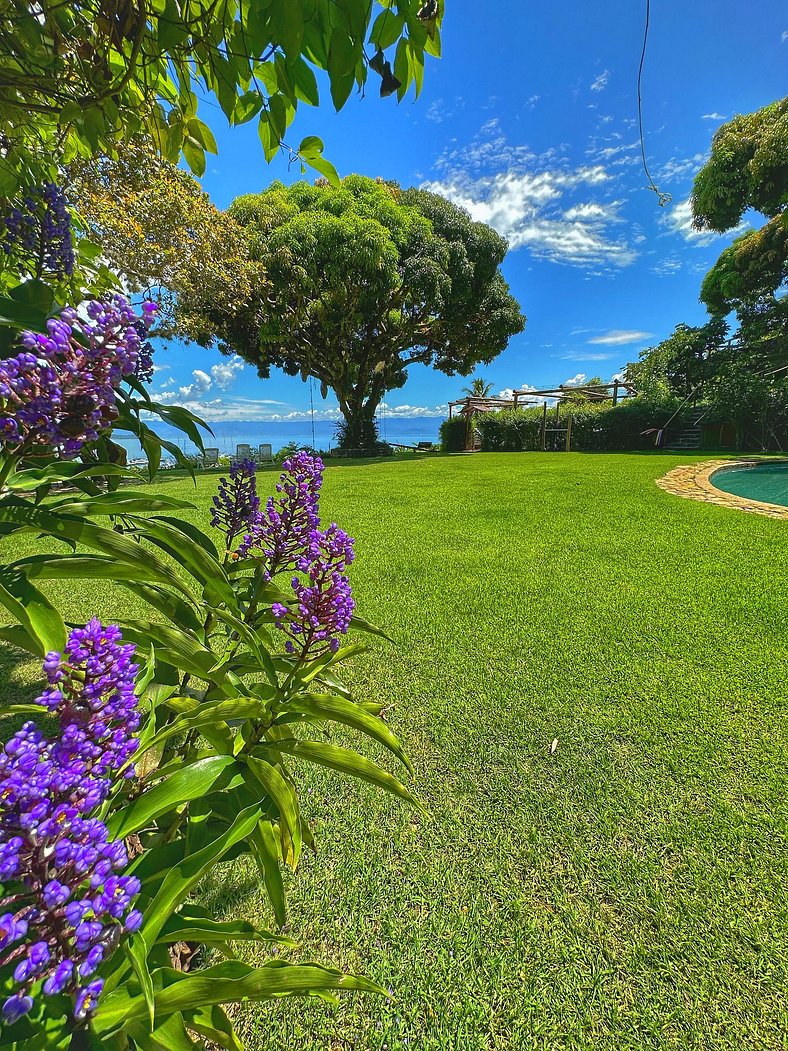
(265, 454)
(244, 452)
(210, 457)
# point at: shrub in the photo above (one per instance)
(596, 427)
(452, 434)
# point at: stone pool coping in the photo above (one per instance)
(693, 481)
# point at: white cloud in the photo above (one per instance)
(713, 116)
(784, 37)
(575, 381)
(600, 83)
(581, 355)
(201, 384)
(678, 219)
(225, 373)
(616, 337)
(531, 101)
(669, 265)
(529, 209)
(680, 167)
(222, 375)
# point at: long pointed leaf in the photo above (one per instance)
(32, 609)
(345, 761)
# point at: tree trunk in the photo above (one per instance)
(358, 432)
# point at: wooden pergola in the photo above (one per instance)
(612, 391)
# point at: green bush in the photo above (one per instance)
(595, 427)
(452, 434)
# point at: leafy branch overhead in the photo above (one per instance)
(81, 79)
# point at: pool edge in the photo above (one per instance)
(693, 482)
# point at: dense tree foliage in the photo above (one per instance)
(365, 280)
(748, 168)
(81, 77)
(160, 232)
(742, 379)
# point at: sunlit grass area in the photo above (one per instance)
(623, 889)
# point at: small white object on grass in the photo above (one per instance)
(554, 745)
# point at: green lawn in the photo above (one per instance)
(627, 891)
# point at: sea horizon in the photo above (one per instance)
(229, 434)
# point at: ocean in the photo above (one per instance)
(230, 433)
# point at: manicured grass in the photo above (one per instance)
(627, 891)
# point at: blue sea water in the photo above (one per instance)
(230, 433)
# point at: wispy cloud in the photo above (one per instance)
(581, 355)
(678, 219)
(531, 210)
(713, 116)
(599, 83)
(617, 337)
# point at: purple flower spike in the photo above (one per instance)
(59, 867)
(281, 532)
(59, 391)
(236, 505)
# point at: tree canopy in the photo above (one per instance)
(365, 280)
(161, 234)
(748, 168)
(82, 77)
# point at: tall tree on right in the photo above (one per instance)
(748, 169)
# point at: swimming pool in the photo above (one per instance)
(766, 481)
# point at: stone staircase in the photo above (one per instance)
(685, 432)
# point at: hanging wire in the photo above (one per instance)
(663, 197)
(312, 408)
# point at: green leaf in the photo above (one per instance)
(120, 502)
(28, 305)
(169, 1035)
(38, 519)
(66, 470)
(247, 106)
(215, 773)
(372, 629)
(386, 29)
(79, 567)
(212, 1023)
(265, 845)
(203, 134)
(167, 534)
(340, 710)
(283, 794)
(228, 982)
(194, 156)
(180, 880)
(137, 952)
(193, 923)
(344, 761)
(32, 609)
(305, 82)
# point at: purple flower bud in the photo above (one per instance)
(16, 1006)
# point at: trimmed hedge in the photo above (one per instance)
(595, 427)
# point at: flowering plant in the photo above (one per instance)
(233, 671)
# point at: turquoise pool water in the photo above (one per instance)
(763, 481)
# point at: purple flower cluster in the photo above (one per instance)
(236, 506)
(65, 907)
(39, 230)
(324, 601)
(281, 532)
(59, 391)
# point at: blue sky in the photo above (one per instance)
(529, 121)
